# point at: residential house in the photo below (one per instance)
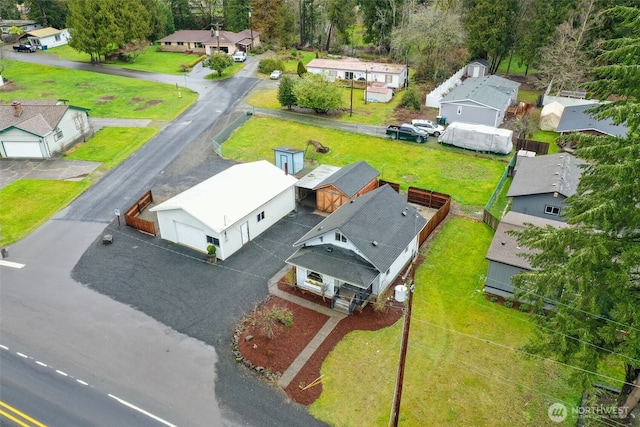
(41, 128)
(229, 209)
(210, 41)
(481, 100)
(24, 24)
(345, 184)
(542, 183)
(505, 255)
(357, 252)
(46, 38)
(394, 76)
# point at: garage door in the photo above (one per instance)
(190, 236)
(23, 150)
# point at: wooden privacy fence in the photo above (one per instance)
(538, 147)
(393, 185)
(131, 217)
(433, 200)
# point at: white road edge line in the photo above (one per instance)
(62, 373)
(11, 264)
(44, 365)
(142, 411)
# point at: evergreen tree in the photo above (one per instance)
(286, 97)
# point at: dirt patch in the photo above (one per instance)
(104, 99)
(9, 86)
(136, 100)
(48, 81)
(148, 104)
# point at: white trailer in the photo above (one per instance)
(478, 138)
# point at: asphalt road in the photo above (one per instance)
(134, 337)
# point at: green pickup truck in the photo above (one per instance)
(407, 132)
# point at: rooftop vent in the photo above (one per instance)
(503, 243)
(374, 243)
(320, 228)
(404, 213)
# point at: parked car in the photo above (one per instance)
(24, 48)
(240, 56)
(430, 127)
(275, 75)
(407, 132)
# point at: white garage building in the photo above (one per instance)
(228, 209)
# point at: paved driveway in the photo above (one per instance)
(55, 169)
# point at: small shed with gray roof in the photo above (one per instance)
(356, 253)
(541, 184)
(505, 256)
(480, 100)
(41, 128)
(345, 184)
(575, 118)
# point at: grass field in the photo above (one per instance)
(462, 367)
(421, 165)
(150, 59)
(105, 95)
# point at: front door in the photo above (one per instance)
(244, 232)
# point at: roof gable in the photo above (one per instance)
(380, 224)
(546, 174)
(38, 117)
(351, 178)
(231, 195)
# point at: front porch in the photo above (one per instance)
(348, 297)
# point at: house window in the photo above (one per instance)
(260, 216)
(340, 237)
(167, 43)
(58, 135)
(333, 73)
(388, 78)
(213, 240)
(459, 109)
(551, 210)
(348, 75)
(57, 37)
(199, 45)
(314, 277)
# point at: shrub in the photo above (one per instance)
(268, 320)
(290, 278)
(301, 69)
(195, 61)
(266, 66)
(412, 99)
(493, 299)
(508, 304)
(525, 307)
(286, 97)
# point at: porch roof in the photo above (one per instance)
(335, 262)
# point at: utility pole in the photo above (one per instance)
(395, 409)
(366, 84)
(218, 35)
(251, 28)
(351, 108)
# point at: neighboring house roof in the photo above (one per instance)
(480, 61)
(504, 246)
(575, 118)
(351, 178)
(230, 195)
(353, 64)
(377, 89)
(43, 32)
(546, 174)
(205, 36)
(39, 117)
(380, 223)
(491, 91)
(316, 176)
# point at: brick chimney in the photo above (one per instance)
(17, 108)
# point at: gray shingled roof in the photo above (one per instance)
(351, 178)
(492, 91)
(376, 216)
(574, 118)
(336, 262)
(504, 247)
(39, 117)
(546, 174)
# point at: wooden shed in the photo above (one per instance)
(346, 184)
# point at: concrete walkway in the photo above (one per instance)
(306, 354)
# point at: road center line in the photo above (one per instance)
(11, 264)
(44, 365)
(4, 347)
(82, 382)
(142, 411)
(62, 373)
(22, 355)
(20, 414)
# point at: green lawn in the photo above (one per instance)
(461, 366)
(29, 203)
(38, 200)
(151, 59)
(422, 165)
(105, 95)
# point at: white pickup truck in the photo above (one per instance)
(239, 56)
